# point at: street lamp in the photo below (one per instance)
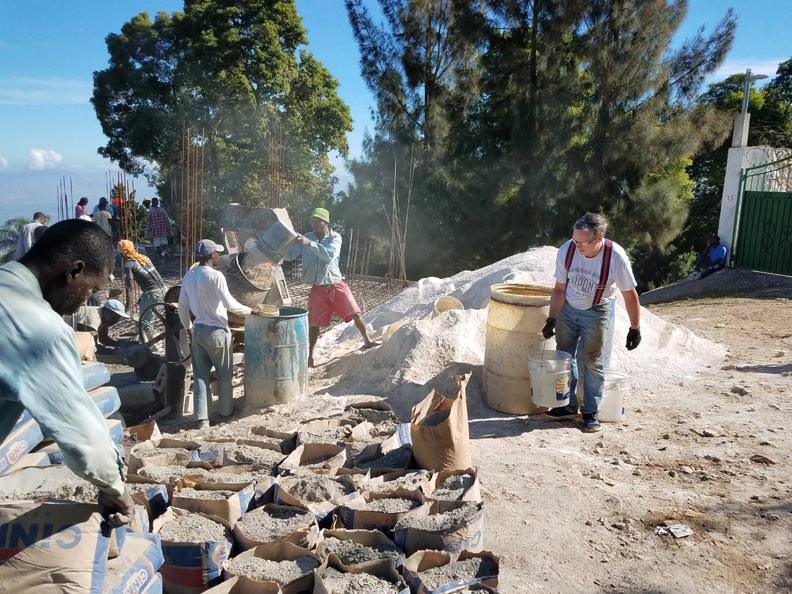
(749, 79)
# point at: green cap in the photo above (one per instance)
(322, 214)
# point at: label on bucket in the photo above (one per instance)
(561, 388)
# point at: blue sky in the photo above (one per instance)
(49, 50)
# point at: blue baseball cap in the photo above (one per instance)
(116, 307)
(207, 247)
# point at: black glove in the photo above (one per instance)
(633, 338)
(549, 328)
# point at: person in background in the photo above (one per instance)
(138, 268)
(321, 252)
(107, 206)
(589, 269)
(27, 234)
(147, 203)
(712, 259)
(102, 217)
(110, 314)
(204, 293)
(40, 368)
(38, 232)
(158, 227)
(81, 209)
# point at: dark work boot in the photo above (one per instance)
(590, 424)
(562, 412)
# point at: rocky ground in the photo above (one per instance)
(574, 512)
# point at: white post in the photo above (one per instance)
(731, 189)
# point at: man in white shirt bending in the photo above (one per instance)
(589, 269)
(205, 293)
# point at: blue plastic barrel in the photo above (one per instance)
(276, 357)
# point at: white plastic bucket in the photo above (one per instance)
(445, 303)
(550, 372)
(390, 330)
(614, 397)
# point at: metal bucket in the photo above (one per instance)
(276, 357)
(275, 241)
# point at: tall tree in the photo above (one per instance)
(236, 70)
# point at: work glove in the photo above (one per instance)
(117, 509)
(549, 328)
(633, 338)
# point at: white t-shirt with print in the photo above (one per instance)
(584, 275)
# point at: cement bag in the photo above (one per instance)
(37, 460)
(451, 526)
(135, 571)
(280, 551)
(144, 432)
(49, 547)
(25, 436)
(95, 374)
(148, 453)
(374, 539)
(207, 498)
(417, 571)
(106, 399)
(439, 429)
(320, 494)
(154, 498)
(330, 581)
(191, 567)
(244, 585)
(316, 455)
(273, 523)
(371, 514)
(454, 485)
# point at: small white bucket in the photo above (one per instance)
(391, 329)
(550, 372)
(445, 303)
(614, 397)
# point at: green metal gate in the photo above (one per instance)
(763, 225)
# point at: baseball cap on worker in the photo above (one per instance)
(116, 307)
(207, 247)
(322, 214)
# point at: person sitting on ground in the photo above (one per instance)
(81, 209)
(205, 294)
(712, 259)
(321, 252)
(27, 234)
(138, 268)
(110, 314)
(40, 368)
(158, 227)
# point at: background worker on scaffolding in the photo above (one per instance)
(321, 252)
(138, 268)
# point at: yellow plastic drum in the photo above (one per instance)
(517, 313)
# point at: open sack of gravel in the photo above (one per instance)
(439, 429)
(154, 499)
(379, 577)
(409, 479)
(265, 457)
(454, 485)
(284, 563)
(285, 440)
(450, 526)
(227, 501)
(316, 455)
(273, 523)
(381, 511)
(320, 494)
(149, 453)
(435, 572)
(194, 547)
(355, 550)
(244, 585)
(391, 454)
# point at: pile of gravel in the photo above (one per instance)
(151, 452)
(218, 494)
(193, 528)
(268, 525)
(466, 570)
(445, 522)
(169, 474)
(244, 454)
(410, 481)
(333, 435)
(350, 552)
(391, 505)
(235, 478)
(75, 489)
(336, 582)
(454, 487)
(282, 572)
(314, 488)
(398, 458)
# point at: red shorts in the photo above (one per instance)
(326, 300)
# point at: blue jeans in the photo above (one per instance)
(211, 346)
(586, 334)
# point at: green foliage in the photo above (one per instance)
(265, 111)
(538, 111)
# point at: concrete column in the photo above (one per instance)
(740, 135)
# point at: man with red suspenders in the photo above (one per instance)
(589, 269)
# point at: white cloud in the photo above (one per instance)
(730, 67)
(39, 159)
(3, 162)
(44, 91)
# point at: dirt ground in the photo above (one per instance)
(574, 512)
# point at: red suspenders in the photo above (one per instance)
(607, 254)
